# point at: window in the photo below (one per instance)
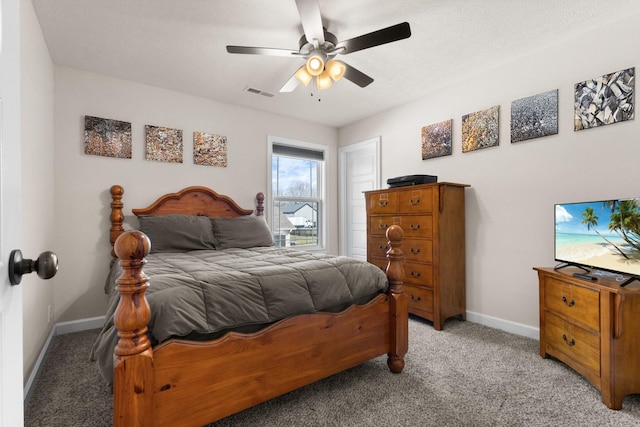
(296, 205)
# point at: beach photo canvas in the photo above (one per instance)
(436, 140)
(602, 234)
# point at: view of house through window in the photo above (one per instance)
(296, 196)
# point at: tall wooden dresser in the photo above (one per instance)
(594, 327)
(433, 220)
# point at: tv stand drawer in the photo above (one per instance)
(577, 347)
(575, 303)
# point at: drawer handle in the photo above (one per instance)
(382, 203)
(416, 299)
(383, 226)
(414, 202)
(568, 303)
(414, 227)
(569, 343)
(415, 250)
(383, 248)
(415, 274)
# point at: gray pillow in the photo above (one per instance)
(177, 233)
(242, 232)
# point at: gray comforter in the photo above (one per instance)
(204, 294)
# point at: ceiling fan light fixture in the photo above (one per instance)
(315, 64)
(303, 75)
(323, 81)
(336, 69)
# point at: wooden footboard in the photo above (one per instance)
(195, 383)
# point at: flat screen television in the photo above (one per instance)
(602, 235)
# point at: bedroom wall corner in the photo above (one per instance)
(37, 182)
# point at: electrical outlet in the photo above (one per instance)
(49, 313)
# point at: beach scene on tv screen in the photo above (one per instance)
(603, 234)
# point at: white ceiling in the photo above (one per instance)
(180, 45)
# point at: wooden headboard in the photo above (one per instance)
(189, 201)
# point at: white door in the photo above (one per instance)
(359, 170)
(11, 395)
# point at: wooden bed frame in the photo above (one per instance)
(194, 383)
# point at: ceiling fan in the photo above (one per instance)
(319, 48)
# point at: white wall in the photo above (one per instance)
(38, 189)
(82, 181)
(509, 206)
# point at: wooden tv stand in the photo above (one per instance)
(593, 327)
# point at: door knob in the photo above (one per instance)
(46, 266)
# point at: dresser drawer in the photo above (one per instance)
(379, 224)
(420, 300)
(577, 304)
(377, 247)
(420, 250)
(416, 200)
(414, 273)
(412, 225)
(383, 203)
(418, 274)
(417, 226)
(578, 347)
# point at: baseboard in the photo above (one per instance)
(504, 325)
(35, 372)
(61, 328)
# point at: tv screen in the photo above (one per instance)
(603, 235)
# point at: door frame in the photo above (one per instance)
(11, 351)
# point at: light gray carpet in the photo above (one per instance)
(465, 375)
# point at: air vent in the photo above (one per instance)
(258, 92)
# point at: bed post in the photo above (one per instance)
(133, 358)
(399, 305)
(116, 217)
(260, 204)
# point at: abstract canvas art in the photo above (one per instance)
(534, 116)
(163, 144)
(480, 129)
(107, 137)
(605, 100)
(436, 140)
(209, 149)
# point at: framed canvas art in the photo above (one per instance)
(480, 129)
(107, 137)
(436, 140)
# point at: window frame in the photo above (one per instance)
(322, 185)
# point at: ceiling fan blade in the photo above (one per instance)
(309, 11)
(376, 38)
(357, 76)
(290, 85)
(269, 51)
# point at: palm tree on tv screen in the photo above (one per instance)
(625, 220)
(591, 220)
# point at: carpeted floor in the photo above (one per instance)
(465, 375)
